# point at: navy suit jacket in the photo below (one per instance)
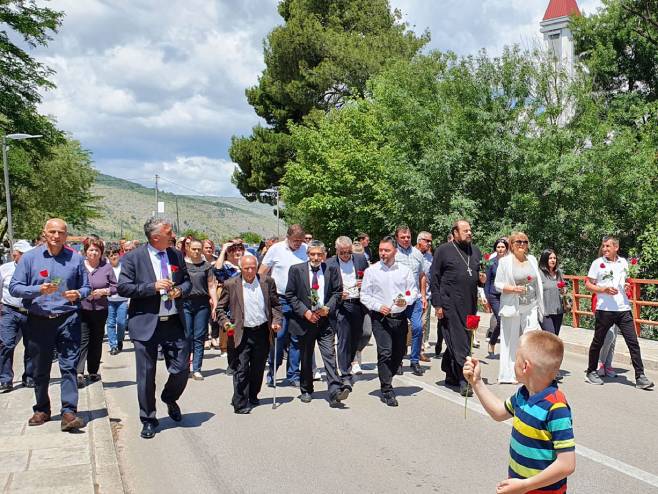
(298, 293)
(137, 281)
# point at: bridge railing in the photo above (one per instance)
(580, 293)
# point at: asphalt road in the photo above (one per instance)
(426, 444)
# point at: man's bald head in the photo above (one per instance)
(248, 266)
(56, 222)
(55, 232)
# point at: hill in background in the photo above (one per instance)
(124, 206)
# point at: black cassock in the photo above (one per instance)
(455, 291)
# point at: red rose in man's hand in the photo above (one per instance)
(407, 293)
(634, 261)
(472, 322)
(174, 268)
(602, 266)
(44, 273)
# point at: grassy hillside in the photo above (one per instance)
(125, 206)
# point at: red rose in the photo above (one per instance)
(230, 332)
(561, 284)
(602, 266)
(407, 293)
(359, 274)
(316, 286)
(634, 261)
(44, 273)
(174, 268)
(529, 278)
(472, 322)
(487, 257)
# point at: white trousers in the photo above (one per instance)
(511, 329)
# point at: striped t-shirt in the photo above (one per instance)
(542, 428)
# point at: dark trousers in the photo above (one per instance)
(604, 320)
(494, 303)
(391, 338)
(12, 326)
(44, 336)
(250, 359)
(349, 330)
(439, 338)
(324, 335)
(171, 337)
(458, 344)
(553, 323)
(91, 342)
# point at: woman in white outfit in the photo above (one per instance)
(521, 301)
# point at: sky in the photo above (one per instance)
(152, 87)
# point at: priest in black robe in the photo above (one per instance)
(454, 284)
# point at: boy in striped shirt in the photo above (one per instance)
(542, 447)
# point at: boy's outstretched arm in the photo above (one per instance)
(562, 467)
(494, 406)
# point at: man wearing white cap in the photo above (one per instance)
(12, 324)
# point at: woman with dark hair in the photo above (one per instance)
(500, 247)
(94, 308)
(552, 279)
(209, 250)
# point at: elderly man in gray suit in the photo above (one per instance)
(249, 307)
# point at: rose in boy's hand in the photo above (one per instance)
(472, 370)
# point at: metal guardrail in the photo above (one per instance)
(636, 303)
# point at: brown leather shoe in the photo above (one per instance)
(71, 422)
(39, 418)
(424, 358)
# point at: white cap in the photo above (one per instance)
(22, 246)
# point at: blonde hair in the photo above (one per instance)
(544, 351)
(357, 248)
(517, 236)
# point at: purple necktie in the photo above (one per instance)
(164, 272)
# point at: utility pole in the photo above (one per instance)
(156, 194)
(177, 217)
(278, 222)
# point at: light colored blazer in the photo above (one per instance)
(509, 302)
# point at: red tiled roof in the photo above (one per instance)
(561, 8)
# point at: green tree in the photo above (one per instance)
(196, 234)
(322, 55)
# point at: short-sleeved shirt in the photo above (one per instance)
(199, 274)
(610, 274)
(279, 258)
(542, 428)
(413, 259)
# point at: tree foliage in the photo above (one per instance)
(322, 55)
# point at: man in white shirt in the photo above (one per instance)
(277, 262)
(387, 289)
(607, 278)
(12, 324)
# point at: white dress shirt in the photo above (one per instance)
(155, 261)
(6, 272)
(279, 258)
(320, 284)
(615, 274)
(348, 275)
(254, 304)
(382, 285)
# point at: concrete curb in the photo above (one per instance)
(106, 475)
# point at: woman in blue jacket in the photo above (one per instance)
(500, 247)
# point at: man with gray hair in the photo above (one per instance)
(313, 292)
(348, 320)
(155, 278)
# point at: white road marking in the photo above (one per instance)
(584, 451)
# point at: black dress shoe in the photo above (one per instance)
(6, 387)
(417, 370)
(389, 399)
(148, 430)
(400, 371)
(174, 411)
(242, 411)
(343, 393)
(114, 351)
(451, 381)
(28, 383)
(305, 398)
(254, 402)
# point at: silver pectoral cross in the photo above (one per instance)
(470, 271)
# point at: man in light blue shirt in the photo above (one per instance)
(52, 279)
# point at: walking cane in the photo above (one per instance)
(274, 373)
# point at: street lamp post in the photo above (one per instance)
(11, 137)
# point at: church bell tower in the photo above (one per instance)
(557, 35)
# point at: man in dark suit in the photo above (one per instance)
(154, 277)
(314, 290)
(254, 308)
(348, 318)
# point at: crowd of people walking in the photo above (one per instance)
(177, 299)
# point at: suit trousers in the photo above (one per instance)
(250, 359)
(91, 342)
(391, 337)
(604, 320)
(171, 337)
(349, 330)
(324, 335)
(12, 326)
(458, 343)
(44, 336)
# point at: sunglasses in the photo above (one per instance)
(521, 242)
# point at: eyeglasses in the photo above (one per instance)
(521, 242)
(428, 240)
